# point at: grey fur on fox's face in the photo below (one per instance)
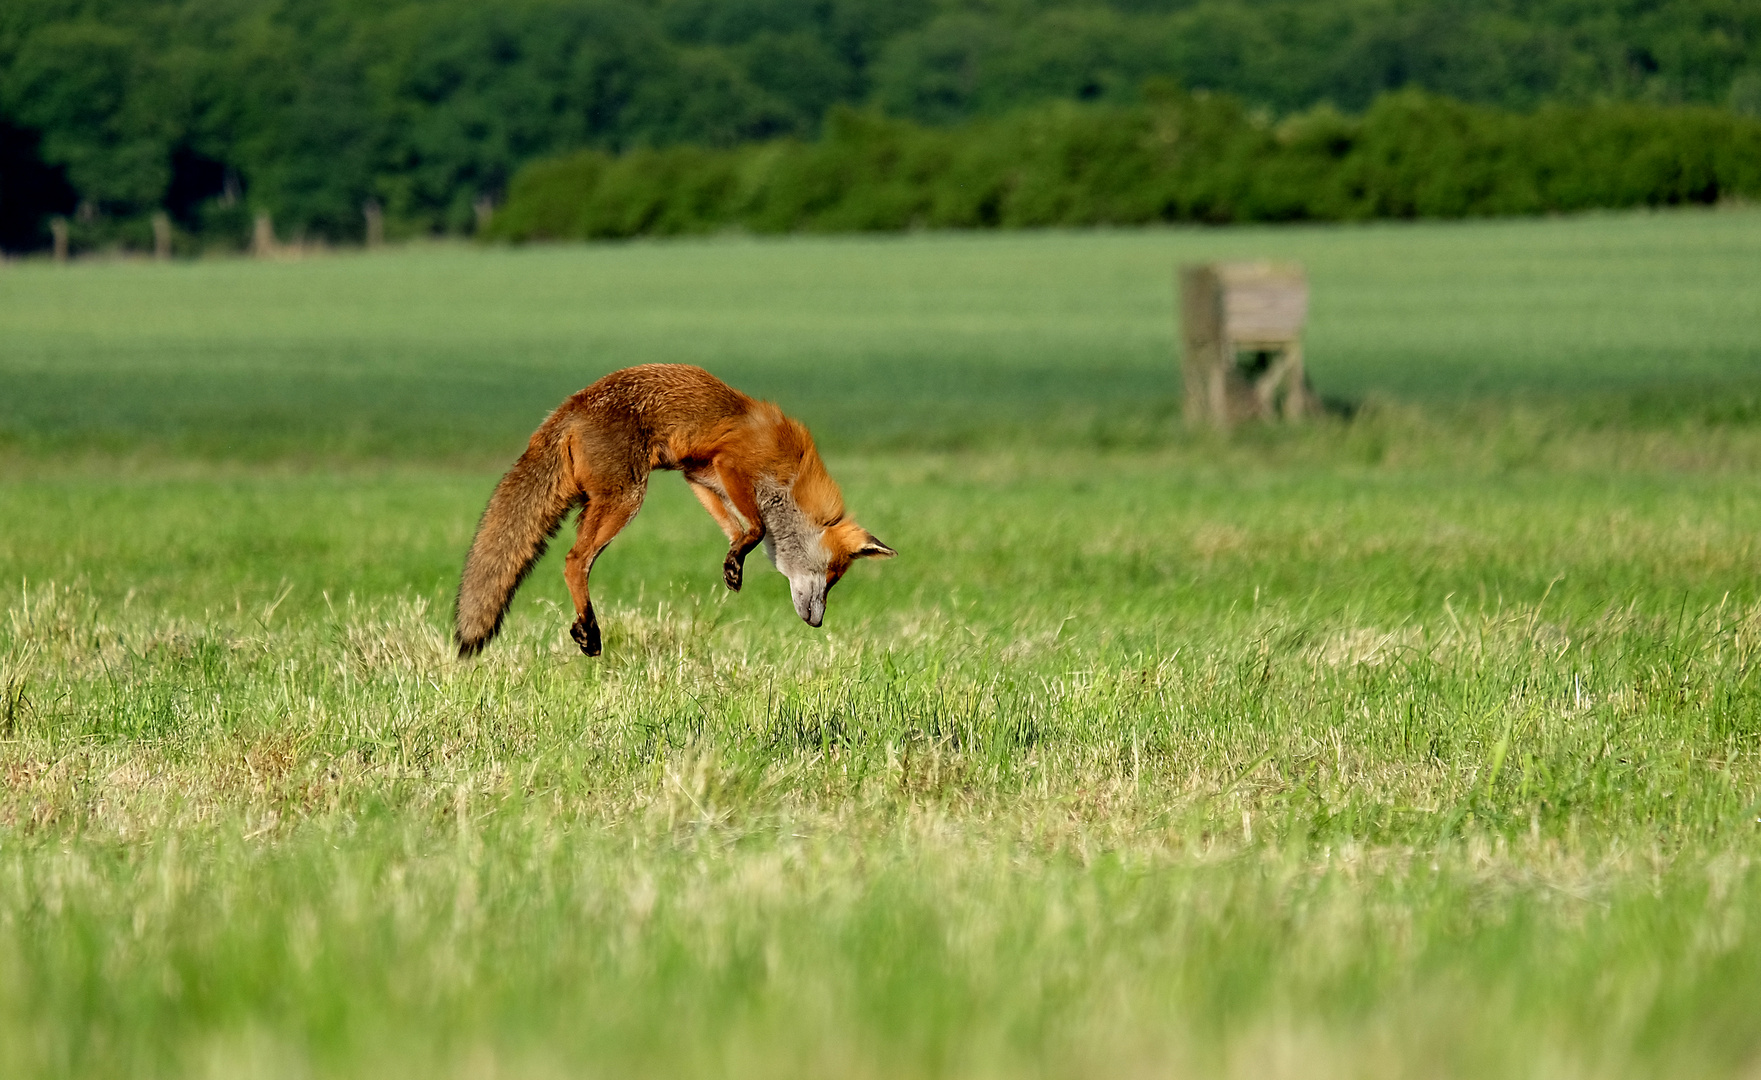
(793, 545)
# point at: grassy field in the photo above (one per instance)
(880, 343)
(1423, 743)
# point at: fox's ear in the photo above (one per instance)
(873, 549)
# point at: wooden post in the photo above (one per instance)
(58, 231)
(484, 208)
(161, 235)
(375, 216)
(1201, 322)
(263, 236)
(1227, 309)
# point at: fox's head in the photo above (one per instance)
(808, 537)
(814, 558)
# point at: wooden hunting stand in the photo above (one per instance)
(1242, 329)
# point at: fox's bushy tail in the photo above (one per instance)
(523, 514)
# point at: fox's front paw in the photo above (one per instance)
(731, 571)
(586, 634)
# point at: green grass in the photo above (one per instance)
(1423, 744)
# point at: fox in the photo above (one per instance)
(754, 469)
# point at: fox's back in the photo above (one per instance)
(663, 400)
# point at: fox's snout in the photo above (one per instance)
(808, 592)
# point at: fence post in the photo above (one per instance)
(161, 235)
(263, 236)
(375, 215)
(58, 230)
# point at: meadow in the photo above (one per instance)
(1417, 740)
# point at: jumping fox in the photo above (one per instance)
(755, 470)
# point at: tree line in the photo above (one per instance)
(211, 111)
(1177, 157)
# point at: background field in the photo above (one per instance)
(1421, 742)
(922, 341)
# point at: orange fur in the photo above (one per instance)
(596, 451)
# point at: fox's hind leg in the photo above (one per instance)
(604, 516)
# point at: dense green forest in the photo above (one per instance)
(213, 110)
